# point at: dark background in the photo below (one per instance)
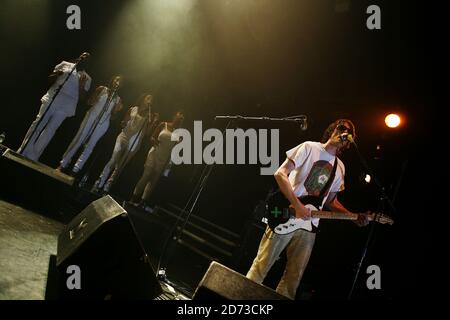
(255, 58)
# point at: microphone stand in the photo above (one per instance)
(383, 199)
(176, 231)
(301, 119)
(50, 104)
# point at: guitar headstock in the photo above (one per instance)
(381, 218)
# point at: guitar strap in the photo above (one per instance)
(327, 186)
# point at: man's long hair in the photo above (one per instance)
(329, 131)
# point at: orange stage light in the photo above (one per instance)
(392, 120)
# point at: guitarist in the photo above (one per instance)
(310, 169)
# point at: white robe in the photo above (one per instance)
(64, 105)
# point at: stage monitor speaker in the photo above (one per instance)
(222, 283)
(99, 248)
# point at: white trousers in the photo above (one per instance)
(41, 133)
(299, 246)
(81, 140)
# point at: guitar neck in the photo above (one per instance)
(334, 215)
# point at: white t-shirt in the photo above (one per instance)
(313, 167)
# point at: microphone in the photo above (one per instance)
(301, 120)
(304, 124)
(346, 137)
(83, 56)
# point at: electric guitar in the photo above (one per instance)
(284, 221)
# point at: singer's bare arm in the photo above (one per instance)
(281, 176)
(154, 138)
(151, 129)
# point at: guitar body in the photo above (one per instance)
(285, 222)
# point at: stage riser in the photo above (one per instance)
(40, 192)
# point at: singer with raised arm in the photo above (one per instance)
(134, 127)
(70, 82)
(104, 102)
(312, 172)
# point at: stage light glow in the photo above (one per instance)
(392, 120)
(154, 39)
(365, 178)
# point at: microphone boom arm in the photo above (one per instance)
(302, 119)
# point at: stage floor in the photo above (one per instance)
(27, 240)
